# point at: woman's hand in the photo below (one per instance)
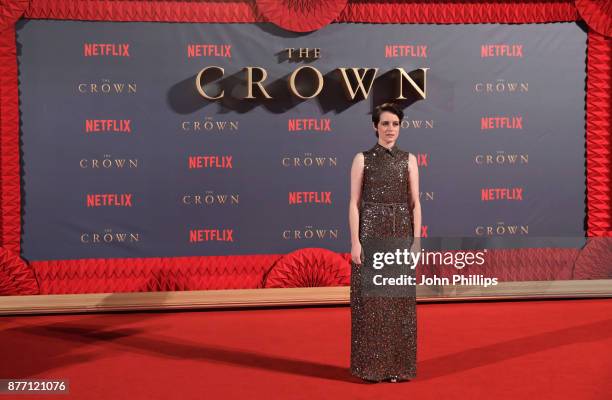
(356, 253)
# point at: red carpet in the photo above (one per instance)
(497, 350)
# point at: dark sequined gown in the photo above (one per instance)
(383, 329)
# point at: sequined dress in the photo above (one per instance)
(383, 329)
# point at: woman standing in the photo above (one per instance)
(384, 205)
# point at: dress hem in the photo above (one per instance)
(399, 377)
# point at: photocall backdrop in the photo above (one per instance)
(123, 158)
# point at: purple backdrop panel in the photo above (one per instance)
(122, 157)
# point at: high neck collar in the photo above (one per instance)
(380, 148)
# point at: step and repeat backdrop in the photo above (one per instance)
(151, 139)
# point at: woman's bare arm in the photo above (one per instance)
(356, 182)
(415, 203)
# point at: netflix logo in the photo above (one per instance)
(309, 124)
(106, 50)
(211, 235)
(199, 162)
(422, 159)
(209, 50)
(493, 194)
(424, 231)
(501, 50)
(108, 126)
(487, 123)
(310, 198)
(401, 50)
(109, 200)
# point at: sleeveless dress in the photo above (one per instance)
(383, 329)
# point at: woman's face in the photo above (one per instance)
(388, 127)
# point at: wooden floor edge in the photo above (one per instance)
(249, 298)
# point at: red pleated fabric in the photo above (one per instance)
(189, 273)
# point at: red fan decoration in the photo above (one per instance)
(16, 277)
(309, 268)
(10, 11)
(301, 15)
(595, 259)
(597, 14)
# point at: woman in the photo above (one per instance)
(384, 205)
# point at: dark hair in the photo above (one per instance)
(388, 107)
